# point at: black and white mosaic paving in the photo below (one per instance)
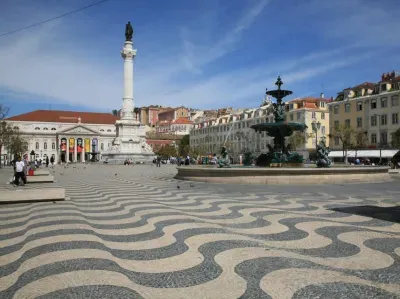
(129, 232)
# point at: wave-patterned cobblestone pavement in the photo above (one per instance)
(129, 232)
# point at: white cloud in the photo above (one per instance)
(196, 56)
(31, 62)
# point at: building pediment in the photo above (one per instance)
(79, 129)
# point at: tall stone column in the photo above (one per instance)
(83, 150)
(128, 54)
(67, 152)
(75, 151)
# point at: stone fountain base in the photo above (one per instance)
(284, 175)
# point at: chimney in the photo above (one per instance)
(322, 95)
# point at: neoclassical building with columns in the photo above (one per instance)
(65, 135)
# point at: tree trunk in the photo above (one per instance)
(345, 158)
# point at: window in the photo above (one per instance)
(53, 129)
(383, 139)
(323, 130)
(383, 102)
(108, 130)
(383, 120)
(373, 104)
(313, 115)
(16, 128)
(322, 104)
(45, 129)
(336, 140)
(395, 101)
(395, 118)
(373, 120)
(291, 106)
(347, 122)
(359, 106)
(322, 115)
(291, 116)
(102, 146)
(347, 108)
(383, 87)
(37, 129)
(336, 109)
(53, 145)
(101, 130)
(37, 145)
(45, 145)
(336, 124)
(373, 138)
(298, 115)
(359, 122)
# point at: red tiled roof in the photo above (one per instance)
(66, 117)
(183, 121)
(365, 84)
(309, 100)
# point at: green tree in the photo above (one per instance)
(167, 151)
(17, 145)
(6, 130)
(114, 112)
(346, 135)
(136, 110)
(396, 138)
(184, 146)
(298, 139)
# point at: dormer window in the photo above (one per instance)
(383, 87)
(108, 130)
(45, 129)
(291, 106)
(101, 130)
(322, 104)
(53, 129)
(37, 129)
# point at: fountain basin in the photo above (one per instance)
(284, 176)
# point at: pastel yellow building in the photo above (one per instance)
(372, 109)
(310, 110)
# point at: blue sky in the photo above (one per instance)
(202, 54)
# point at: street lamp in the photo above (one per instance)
(380, 136)
(315, 127)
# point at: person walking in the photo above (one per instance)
(47, 161)
(20, 171)
(52, 161)
(158, 161)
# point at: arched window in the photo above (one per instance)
(37, 129)
(16, 128)
(108, 130)
(53, 145)
(45, 145)
(101, 130)
(53, 129)
(37, 145)
(102, 146)
(46, 129)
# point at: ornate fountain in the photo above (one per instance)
(280, 154)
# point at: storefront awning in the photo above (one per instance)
(364, 153)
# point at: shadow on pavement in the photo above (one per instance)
(391, 214)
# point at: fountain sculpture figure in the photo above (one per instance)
(322, 155)
(224, 161)
(280, 153)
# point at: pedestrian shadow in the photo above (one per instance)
(391, 214)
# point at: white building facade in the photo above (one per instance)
(234, 132)
(66, 136)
